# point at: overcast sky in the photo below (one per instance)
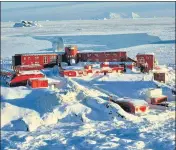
(16, 11)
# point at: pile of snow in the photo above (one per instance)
(24, 23)
(28, 107)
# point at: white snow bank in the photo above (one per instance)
(14, 93)
(19, 119)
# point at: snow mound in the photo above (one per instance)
(29, 108)
(20, 119)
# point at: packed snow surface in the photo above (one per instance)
(76, 115)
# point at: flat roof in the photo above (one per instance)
(30, 72)
(117, 63)
(145, 54)
(92, 51)
(46, 53)
(73, 67)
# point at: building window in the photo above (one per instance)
(53, 58)
(45, 60)
(88, 55)
(24, 58)
(141, 60)
(96, 55)
(106, 55)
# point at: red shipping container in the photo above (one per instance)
(69, 73)
(131, 106)
(118, 69)
(38, 83)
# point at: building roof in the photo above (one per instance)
(117, 63)
(38, 79)
(135, 102)
(73, 67)
(44, 53)
(92, 51)
(145, 54)
(30, 72)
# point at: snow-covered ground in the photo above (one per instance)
(77, 115)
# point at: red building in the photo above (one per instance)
(21, 78)
(33, 60)
(129, 65)
(102, 56)
(148, 59)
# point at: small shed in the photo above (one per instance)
(146, 58)
(38, 83)
(134, 106)
(160, 74)
(155, 96)
(68, 73)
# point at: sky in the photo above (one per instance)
(16, 11)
